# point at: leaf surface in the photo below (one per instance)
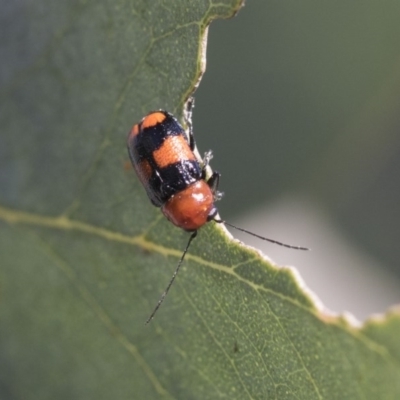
(85, 256)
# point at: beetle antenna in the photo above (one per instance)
(192, 236)
(220, 221)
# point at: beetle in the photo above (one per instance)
(175, 179)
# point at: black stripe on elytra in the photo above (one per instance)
(150, 139)
(168, 181)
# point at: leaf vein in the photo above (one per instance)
(13, 216)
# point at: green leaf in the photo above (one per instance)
(85, 256)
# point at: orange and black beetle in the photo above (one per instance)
(163, 156)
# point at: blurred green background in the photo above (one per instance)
(305, 97)
(302, 99)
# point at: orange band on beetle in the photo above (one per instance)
(145, 169)
(135, 130)
(153, 119)
(173, 150)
